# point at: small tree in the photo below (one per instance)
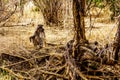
(51, 9)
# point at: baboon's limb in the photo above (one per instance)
(38, 38)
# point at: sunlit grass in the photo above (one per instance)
(4, 75)
(103, 33)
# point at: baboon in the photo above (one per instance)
(42, 34)
(38, 38)
(69, 47)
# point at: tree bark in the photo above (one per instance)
(116, 44)
(78, 15)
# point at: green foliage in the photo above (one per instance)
(97, 3)
(113, 5)
(22, 2)
(6, 1)
(4, 75)
(114, 8)
(3, 72)
(36, 9)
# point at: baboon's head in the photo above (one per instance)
(40, 25)
(40, 28)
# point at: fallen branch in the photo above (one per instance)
(94, 77)
(12, 73)
(55, 74)
(25, 60)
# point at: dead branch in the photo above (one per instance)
(94, 77)
(12, 73)
(54, 66)
(51, 73)
(25, 60)
(72, 65)
(9, 14)
(87, 49)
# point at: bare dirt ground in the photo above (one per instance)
(17, 36)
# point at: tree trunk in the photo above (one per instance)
(116, 44)
(78, 14)
(22, 3)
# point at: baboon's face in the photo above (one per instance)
(40, 28)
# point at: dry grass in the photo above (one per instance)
(103, 33)
(19, 35)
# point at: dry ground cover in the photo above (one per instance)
(20, 61)
(15, 36)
